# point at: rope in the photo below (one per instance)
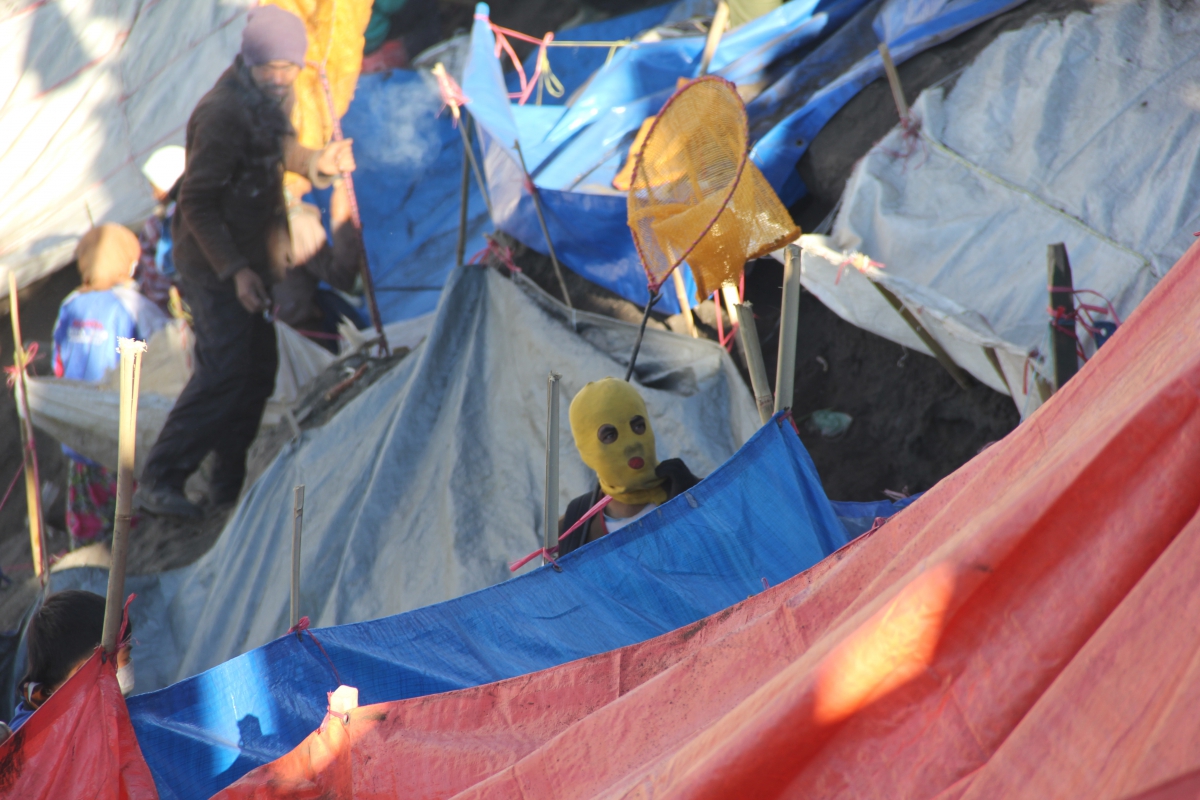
(543, 77)
(591, 512)
(12, 485)
(302, 627)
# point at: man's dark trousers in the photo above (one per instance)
(222, 405)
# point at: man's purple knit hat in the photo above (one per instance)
(273, 34)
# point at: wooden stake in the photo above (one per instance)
(33, 497)
(752, 355)
(550, 509)
(131, 373)
(934, 346)
(537, 206)
(889, 68)
(785, 367)
(715, 32)
(297, 533)
(685, 307)
(1062, 327)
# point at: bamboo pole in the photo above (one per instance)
(785, 367)
(925, 336)
(131, 372)
(685, 307)
(752, 355)
(33, 497)
(550, 509)
(889, 68)
(297, 533)
(461, 249)
(715, 32)
(1062, 326)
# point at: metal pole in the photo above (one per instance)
(297, 532)
(363, 267)
(785, 367)
(33, 497)
(537, 206)
(637, 344)
(752, 352)
(550, 512)
(1062, 326)
(461, 250)
(131, 374)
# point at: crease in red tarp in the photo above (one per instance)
(1028, 629)
(78, 744)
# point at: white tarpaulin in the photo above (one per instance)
(88, 90)
(85, 416)
(426, 485)
(1080, 130)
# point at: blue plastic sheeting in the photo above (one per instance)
(409, 189)
(760, 515)
(573, 153)
(858, 518)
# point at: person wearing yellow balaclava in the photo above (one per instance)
(612, 431)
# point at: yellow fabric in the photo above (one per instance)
(335, 39)
(615, 402)
(106, 257)
(696, 196)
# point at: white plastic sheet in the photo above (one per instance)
(88, 90)
(1080, 130)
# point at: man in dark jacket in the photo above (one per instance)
(230, 222)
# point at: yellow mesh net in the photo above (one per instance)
(696, 196)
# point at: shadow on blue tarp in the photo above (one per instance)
(760, 515)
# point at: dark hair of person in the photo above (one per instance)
(65, 630)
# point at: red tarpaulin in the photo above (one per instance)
(79, 744)
(1029, 628)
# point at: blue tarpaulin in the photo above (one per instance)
(829, 47)
(761, 516)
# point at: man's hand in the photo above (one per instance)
(251, 292)
(337, 158)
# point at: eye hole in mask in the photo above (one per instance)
(638, 424)
(608, 433)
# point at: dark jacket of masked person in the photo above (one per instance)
(231, 212)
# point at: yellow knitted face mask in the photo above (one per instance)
(613, 434)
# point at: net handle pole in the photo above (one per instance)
(131, 374)
(550, 510)
(364, 268)
(637, 344)
(33, 497)
(785, 366)
(537, 206)
(752, 355)
(715, 32)
(461, 250)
